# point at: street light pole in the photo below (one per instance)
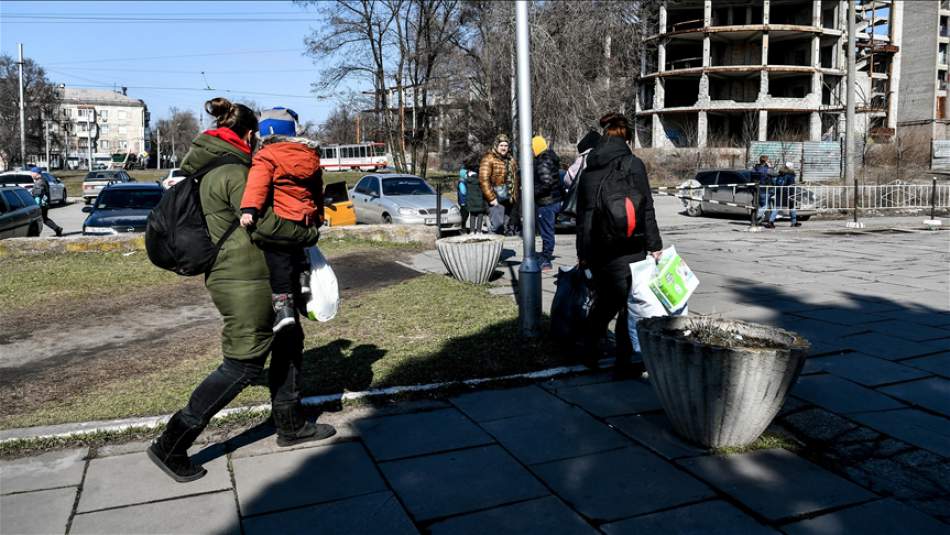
(22, 112)
(529, 280)
(849, 118)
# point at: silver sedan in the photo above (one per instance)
(406, 199)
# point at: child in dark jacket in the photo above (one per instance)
(286, 172)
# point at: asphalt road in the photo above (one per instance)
(70, 217)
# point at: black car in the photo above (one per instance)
(20, 216)
(120, 208)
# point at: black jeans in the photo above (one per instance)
(285, 265)
(611, 284)
(49, 222)
(233, 376)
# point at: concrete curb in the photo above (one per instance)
(76, 430)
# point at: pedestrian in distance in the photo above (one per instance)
(461, 191)
(239, 285)
(41, 195)
(784, 195)
(475, 206)
(498, 178)
(762, 173)
(547, 196)
(612, 167)
(285, 176)
(584, 147)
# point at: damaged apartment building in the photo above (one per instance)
(724, 73)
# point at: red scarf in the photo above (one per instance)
(228, 135)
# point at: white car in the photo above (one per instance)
(173, 177)
(405, 199)
(57, 190)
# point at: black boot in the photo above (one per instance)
(293, 428)
(170, 451)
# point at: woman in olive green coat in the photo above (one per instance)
(240, 289)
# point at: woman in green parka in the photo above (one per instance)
(240, 289)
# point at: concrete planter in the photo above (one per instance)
(715, 395)
(471, 258)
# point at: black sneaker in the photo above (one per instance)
(308, 433)
(284, 313)
(768, 224)
(796, 224)
(178, 466)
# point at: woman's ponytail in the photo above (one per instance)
(238, 117)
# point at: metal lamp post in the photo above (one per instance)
(529, 279)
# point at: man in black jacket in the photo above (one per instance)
(547, 196)
(609, 264)
(41, 193)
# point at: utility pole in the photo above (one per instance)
(529, 274)
(158, 165)
(46, 137)
(849, 118)
(22, 112)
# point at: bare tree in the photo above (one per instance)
(40, 102)
(177, 133)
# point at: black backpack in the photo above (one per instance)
(615, 215)
(176, 236)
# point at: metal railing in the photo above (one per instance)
(817, 198)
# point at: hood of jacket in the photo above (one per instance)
(292, 156)
(206, 148)
(609, 149)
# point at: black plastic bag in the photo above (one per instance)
(572, 302)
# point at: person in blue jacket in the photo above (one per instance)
(784, 195)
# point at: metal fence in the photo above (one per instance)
(818, 198)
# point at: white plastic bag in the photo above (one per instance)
(324, 297)
(642, 302)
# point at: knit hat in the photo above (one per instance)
(501, 138)
(589, 141)
(278, 121)
(36, 170)
(538, 145)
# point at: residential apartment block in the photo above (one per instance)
(108, 122)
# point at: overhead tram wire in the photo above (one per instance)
(202, 89)
(176, 56)
(159, 71)
(140, 20)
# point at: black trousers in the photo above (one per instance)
(611, 285)
(49, 222)
(232, 376)
(285, 265)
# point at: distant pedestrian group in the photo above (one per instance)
(777, 191)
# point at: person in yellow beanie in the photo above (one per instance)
(538, 145)
(547, 196)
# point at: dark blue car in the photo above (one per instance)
(120, 208)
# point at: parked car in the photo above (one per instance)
(406, 199)
(94, 181)
(20, 216)
(173, 177)
(120, 208)
(337, 207)
(698, 204)
(57, 190)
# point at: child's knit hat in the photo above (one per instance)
(278, 121)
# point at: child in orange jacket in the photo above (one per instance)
(286, 171)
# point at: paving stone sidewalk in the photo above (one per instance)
(588, 454)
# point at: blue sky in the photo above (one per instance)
(259, 55)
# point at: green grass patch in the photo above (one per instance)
(44, 279)
(428, 329)
(765, 442)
